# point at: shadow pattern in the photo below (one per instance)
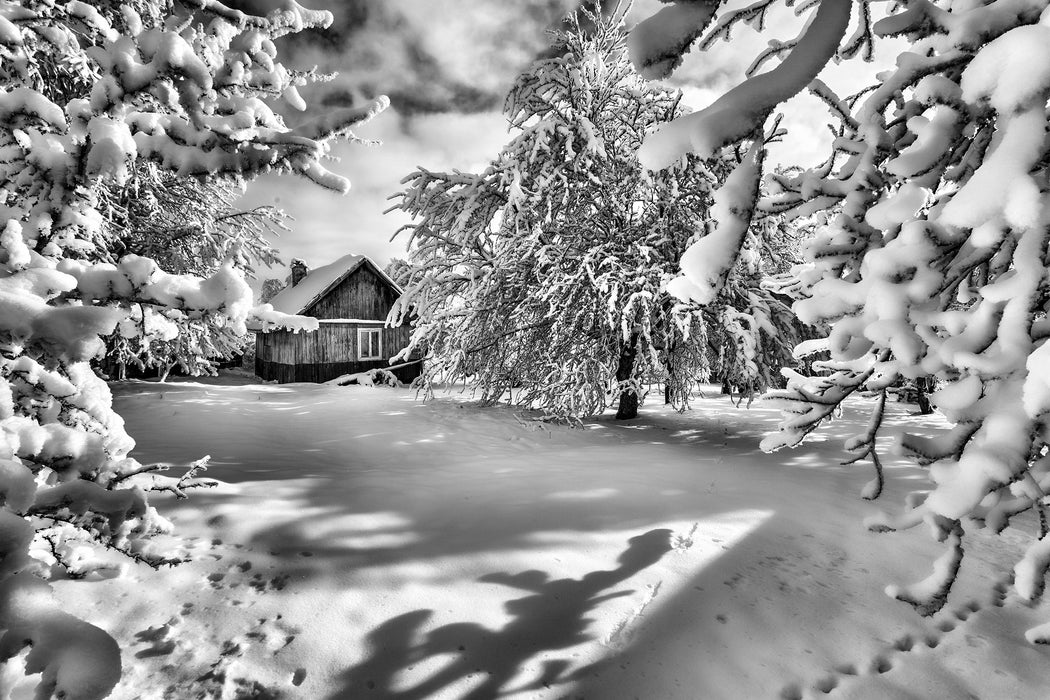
(553, 616)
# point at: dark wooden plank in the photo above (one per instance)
(361, 295)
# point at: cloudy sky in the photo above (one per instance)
(446, 65)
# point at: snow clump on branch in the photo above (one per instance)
(931, 257)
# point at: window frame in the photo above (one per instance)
(363, 335)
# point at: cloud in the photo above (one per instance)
(448, 64)
(328, 225)
(426, 55)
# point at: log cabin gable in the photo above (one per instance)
(363, 293)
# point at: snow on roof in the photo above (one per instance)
(294, 300)
(317, 283)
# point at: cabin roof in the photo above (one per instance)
(317, 283)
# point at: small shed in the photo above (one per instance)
(351, 298)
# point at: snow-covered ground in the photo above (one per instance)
(364, 544)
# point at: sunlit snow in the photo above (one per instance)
(363, 543)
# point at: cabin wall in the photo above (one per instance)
(332, 350)
(329, 352)
(364, 294)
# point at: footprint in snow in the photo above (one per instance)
(159, 639)
(260, 584)
(998, 598)
(905, 643)
(964, 611)
(273, 634)
(880, 664)
(883, 663)
(826, 685)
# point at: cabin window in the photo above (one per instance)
(369, 344)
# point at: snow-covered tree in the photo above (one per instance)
(188, 226)
(751, 328)
(270, 288)
(542, 278)
(92, 95)
(931, 260)
(398, 270)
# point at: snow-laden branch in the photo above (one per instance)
(707, 263)
(656, 45)
(741, 111)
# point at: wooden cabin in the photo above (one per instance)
(351, 298)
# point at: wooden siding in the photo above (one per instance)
(332, 342)
(364, 294)
(325, 354)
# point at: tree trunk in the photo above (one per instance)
(669, 349)
(628, 407)
(922, 386)
(668, 391)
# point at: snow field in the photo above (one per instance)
(364, 544)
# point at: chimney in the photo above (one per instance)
(299, 271)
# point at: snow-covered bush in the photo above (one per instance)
(931, 260)
(91, 96)
(542, 278)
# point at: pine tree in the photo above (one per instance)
(93, 97)
(931, 260)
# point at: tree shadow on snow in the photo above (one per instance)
(662, 469)
(377, 502)
(550, 618)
